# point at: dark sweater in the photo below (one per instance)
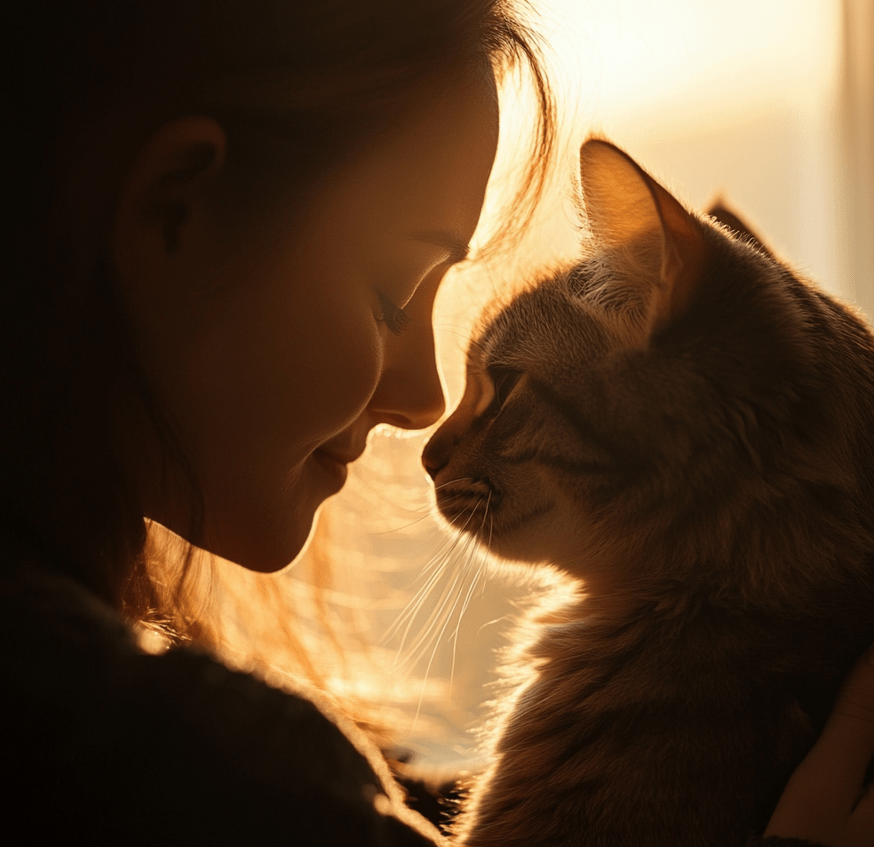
(104, 744)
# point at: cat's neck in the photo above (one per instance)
(612, 597)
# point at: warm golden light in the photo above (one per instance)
(737, 99)
(746, 100)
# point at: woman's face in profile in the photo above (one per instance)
(272, 348)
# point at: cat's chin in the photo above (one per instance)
(529, 529)
(547, 538)
(531, 537)
(516, 545)
(512, 550)
(532, 552)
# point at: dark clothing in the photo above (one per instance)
(103, 744)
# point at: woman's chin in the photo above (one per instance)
(264, 546)
(266, 534)
(273, 558)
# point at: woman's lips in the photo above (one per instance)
(344, 449)
(334, 462)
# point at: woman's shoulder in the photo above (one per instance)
(102, 734)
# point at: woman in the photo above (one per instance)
(231, 220)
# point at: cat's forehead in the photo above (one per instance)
(548, 322)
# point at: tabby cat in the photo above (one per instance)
(684, 425)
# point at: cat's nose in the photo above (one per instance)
(435, 456)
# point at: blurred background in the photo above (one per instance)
(768, 104)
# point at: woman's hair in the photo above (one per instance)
(297, 86)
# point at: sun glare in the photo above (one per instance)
(739, 100)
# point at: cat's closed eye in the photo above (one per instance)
(504, 380)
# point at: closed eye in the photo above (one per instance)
(393, 316)
(504, 380)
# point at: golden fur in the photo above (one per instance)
(685, 426)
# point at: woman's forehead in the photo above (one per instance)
(428, 177)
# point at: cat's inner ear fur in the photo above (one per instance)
(655, 246)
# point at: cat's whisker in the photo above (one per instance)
(442, 613)
(437, 642)
(453, 482)
(461, 614)
(427, 512)
(470, 517)
(488, 547)
(409, 615)
(437, 620)
(412, 608)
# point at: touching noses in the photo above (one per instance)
(409, 394)
(435, 457)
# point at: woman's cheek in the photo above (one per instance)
(351, 374)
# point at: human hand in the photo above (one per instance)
(826, 801)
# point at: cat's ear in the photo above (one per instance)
(628, 210)
(722, 214)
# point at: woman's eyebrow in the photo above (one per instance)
(458, 249)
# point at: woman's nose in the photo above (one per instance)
(409, 394)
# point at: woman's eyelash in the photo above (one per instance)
(394, 317)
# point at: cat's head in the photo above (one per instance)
(674, 399)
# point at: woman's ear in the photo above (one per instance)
(166, 187)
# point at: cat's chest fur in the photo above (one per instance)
(683, 425)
